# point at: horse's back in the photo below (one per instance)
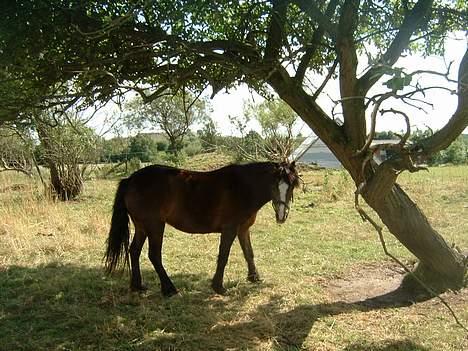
(191, 201)
(147, 191)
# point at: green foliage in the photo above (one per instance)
(161, 145)
(67, 148)
(133, 165)
(114, 150)
(243, 148)
(455, 153)
(192, 145)
(399, 80)
(173, 115)
(63, 49)
(274, 116)
(277, 121)
(142, 147)
(385, 135)
(208, 135)
(68, 143)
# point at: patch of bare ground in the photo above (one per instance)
(377, 285)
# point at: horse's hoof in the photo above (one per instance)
(141, 288)
(169, 292)
(254, 278)
(219, 289)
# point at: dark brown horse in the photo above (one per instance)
(223, 201)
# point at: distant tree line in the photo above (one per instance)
(66, 146)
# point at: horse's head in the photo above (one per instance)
(286, 179)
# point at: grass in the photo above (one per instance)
(55, 296)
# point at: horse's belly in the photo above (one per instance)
(194, 228)
(193, 223)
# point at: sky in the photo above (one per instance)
(231, 103)
(434, 117)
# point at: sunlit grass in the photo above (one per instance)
(55, 296)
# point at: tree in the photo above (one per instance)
(142, 147)
(16, 149)
(114, 150)
(174, 115)
(208, 135)
(68, 146)
(62, 50)
(277, 120)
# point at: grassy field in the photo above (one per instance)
(316, 269)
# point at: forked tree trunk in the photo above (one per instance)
(440, 266)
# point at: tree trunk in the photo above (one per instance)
(440, 266)
(66, 181)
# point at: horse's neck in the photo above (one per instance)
(262, 182)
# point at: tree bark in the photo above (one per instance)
(440, 266)
(66, 180)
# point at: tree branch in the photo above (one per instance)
(457, 123)
(407, 134)
(370, 138)
(306, 107)
(414, 18)
(312, 48)
(353, 109)
(275, 31)
(330, 73)
(314, 12)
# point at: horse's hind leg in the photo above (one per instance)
(246, 245)
(155, 236)
(227, 237)
(135, 251)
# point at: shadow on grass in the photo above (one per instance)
(65, 307)
(405, 345)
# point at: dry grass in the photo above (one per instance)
(54, 295)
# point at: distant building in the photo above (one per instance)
(314, 151)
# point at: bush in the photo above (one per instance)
(142, 147)
(134, 165)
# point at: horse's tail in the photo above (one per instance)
(119, 234)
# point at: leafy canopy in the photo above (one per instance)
(68, 51)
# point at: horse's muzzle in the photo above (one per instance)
(281, 211)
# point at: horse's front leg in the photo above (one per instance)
(246, 245)
(227, 237)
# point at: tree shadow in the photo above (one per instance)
(76, 307)
(402, 345)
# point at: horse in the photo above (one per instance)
(224, 200)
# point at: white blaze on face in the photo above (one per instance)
(283, 189)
